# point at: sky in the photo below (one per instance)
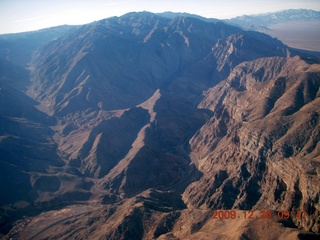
(29, 15)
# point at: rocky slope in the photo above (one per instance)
(261, 147)
(150, 123)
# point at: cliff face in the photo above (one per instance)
(151, 123)
(261, 147)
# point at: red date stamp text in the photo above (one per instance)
(261, 214)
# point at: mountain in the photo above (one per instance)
(266, 19)
(172, 46)
(298, 28)
(257, 140)
(19, 47)
(139, 126)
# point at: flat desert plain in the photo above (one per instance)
(302, 35)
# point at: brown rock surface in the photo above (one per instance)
(260, 150)
(137, 127)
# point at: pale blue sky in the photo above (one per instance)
(27, 15)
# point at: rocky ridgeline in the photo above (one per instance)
(154, 122)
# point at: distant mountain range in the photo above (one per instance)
(298, 28)
(139, 126)
(258, 21)
(264, 20)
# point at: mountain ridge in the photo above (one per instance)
(298, 28)
(266, 19)
(151, 123)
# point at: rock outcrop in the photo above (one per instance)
(261, 147)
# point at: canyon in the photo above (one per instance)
(140, 126)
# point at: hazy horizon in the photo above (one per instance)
(30, 15)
